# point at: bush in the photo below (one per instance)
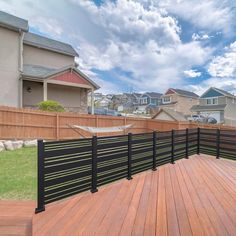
(50, 105)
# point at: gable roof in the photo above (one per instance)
(49, 44)
(175, 115)
(13, 22)
(41, 72)
(184, 92)
(153, 94)
(221, 91)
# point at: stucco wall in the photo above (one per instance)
(9, 64)
(33, 97)
(42, 57)
(73, 99)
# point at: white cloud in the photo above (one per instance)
(212, 15)
(224, 65)
(197, 37)
(192, 73)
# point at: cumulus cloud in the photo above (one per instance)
(140, 37)
(212, 15)
(224, 65)
(192, 73)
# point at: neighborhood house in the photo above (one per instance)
(34, 68)
(218, 104)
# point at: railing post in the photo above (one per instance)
(94, 164)
(154, 166)
(40, 197)
(129, 177)
(218, 144)
(198, 140)
(186, 151)
(172, 147)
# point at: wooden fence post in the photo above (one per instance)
(57, 127)
(94, 164)
(40, 196)
(129, 177)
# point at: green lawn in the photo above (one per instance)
(18, 172)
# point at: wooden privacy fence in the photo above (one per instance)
(31, 124)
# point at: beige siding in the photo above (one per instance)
(230, 113)
(164, 116)
(42, 57)
(33, 97)
(183, 104)
(203, 101)
(9, 67)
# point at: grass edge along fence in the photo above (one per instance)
(66, 168)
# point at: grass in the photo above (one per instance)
(18, 171)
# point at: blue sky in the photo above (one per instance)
(142, 45)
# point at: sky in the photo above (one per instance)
(142, 45)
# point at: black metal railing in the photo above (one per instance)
(69, 167)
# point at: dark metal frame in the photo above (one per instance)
(92, 162)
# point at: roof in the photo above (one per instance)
(172, 113)
(223, 92)
(208, 107)
(13, 22)
(49, 44)
(184, 93)
(154, 94)
(41, 72)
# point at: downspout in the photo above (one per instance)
(20, 68)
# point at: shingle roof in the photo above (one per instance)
(185, 93)
(37, 71)
(154, 94)
(49, 44)
(208, 107)
(41, 72)
(13, 22)
(172, 113)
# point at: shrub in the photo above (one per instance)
(50, 105)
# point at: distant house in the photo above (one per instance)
(34, 68)
(149, 103)
(218, 104)
(179, 100)
(169, 114)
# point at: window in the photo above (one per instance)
(166, 99)
(143, 101)
(212, 101)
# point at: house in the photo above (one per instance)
(34, 68)
(218, 104)
(169, 114)
(149, 103)
(179, 100)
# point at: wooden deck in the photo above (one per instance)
(192, 197)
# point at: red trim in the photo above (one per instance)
(71, 77)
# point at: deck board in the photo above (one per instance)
(192, 197)
(195, 196)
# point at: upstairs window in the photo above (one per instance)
(143, 101)
(166, 99)
(212, 101)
